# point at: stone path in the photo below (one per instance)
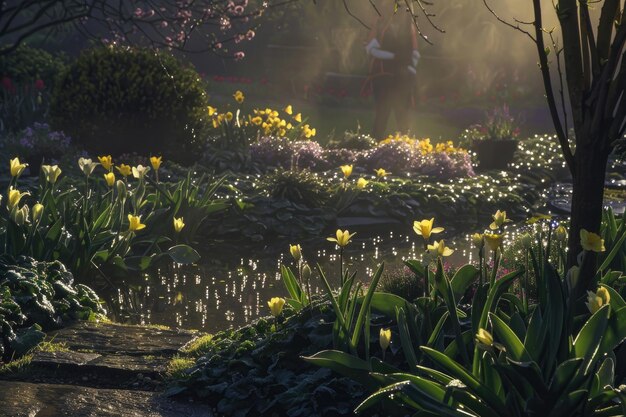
(109, 370)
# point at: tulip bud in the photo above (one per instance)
(121, 189)
(484, 337)
(296, 252)
(20, 216)
(37, 212)
(276, 305)
(527, 241)
(384, 338)
(306, 272)
(560, 234)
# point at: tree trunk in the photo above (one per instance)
(587, 203)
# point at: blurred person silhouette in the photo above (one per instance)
(392, 47)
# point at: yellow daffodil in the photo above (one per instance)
(109, 177)
(494, 241)
(591, 241)
(87, 165)
(16, 167)
(212, 110)
(298, 117)
(498, 220)
(361, 183)
(425, 228)
(440, 249)
(484, 337)
(477, 239)
(380, 172)
(384, 338)
(124, 169)
(598, 299)
(560, 234)
(155, 161)
(296, 252)
(178, 224)
(289, 110)
(276, 305)
(37, 212)
(134, 223)
(238, 96)
(343, 238)
(347, 170)
(51, 173)
(140, 171)
(14, 197)
(106, 162)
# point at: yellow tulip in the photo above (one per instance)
(598, 299)
(134, 223)
(494, 241)
(440, 249)
(212, 110)
(229, 116)
(37, 212)
(560, 234)
(361, 183)
(425, 228)
(109, 177)
(140, 171)
(296, 252)
(289, 109)
(343, 238)
(86, 165)
(347, 170)
(14, 197)
(156, 162)
(178, 224)
(484, 337)
(17, 167)
(498, 220)
(124, 169)
(106, 162)
(276, 305)
(239, 97)
(20, 216)
(257, 120)
(51, 173)
(380, 172)
(384, 338)
(298, 118)
(591, 241)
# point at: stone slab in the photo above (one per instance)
(122, 339)
(23, 399)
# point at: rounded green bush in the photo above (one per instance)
(120, 100)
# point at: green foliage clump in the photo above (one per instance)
(118, 100)
(355, 141)
(27, 65)
(301, 187)
(36, 296)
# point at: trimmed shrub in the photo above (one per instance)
(117, 100)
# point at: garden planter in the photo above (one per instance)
(494, 154)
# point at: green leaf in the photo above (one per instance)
(462, 280)
(509, 339)
(587, 341)
(358, 328)
(183, 254)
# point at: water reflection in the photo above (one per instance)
(227, 290)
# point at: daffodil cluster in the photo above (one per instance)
(424, 146)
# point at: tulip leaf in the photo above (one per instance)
(590, 336)
(509, 339)
(462, 280)
(183, 254)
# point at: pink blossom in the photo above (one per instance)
(239, 55)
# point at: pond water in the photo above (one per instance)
(231, 287)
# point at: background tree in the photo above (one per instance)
(186, 25)
(585, 56)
